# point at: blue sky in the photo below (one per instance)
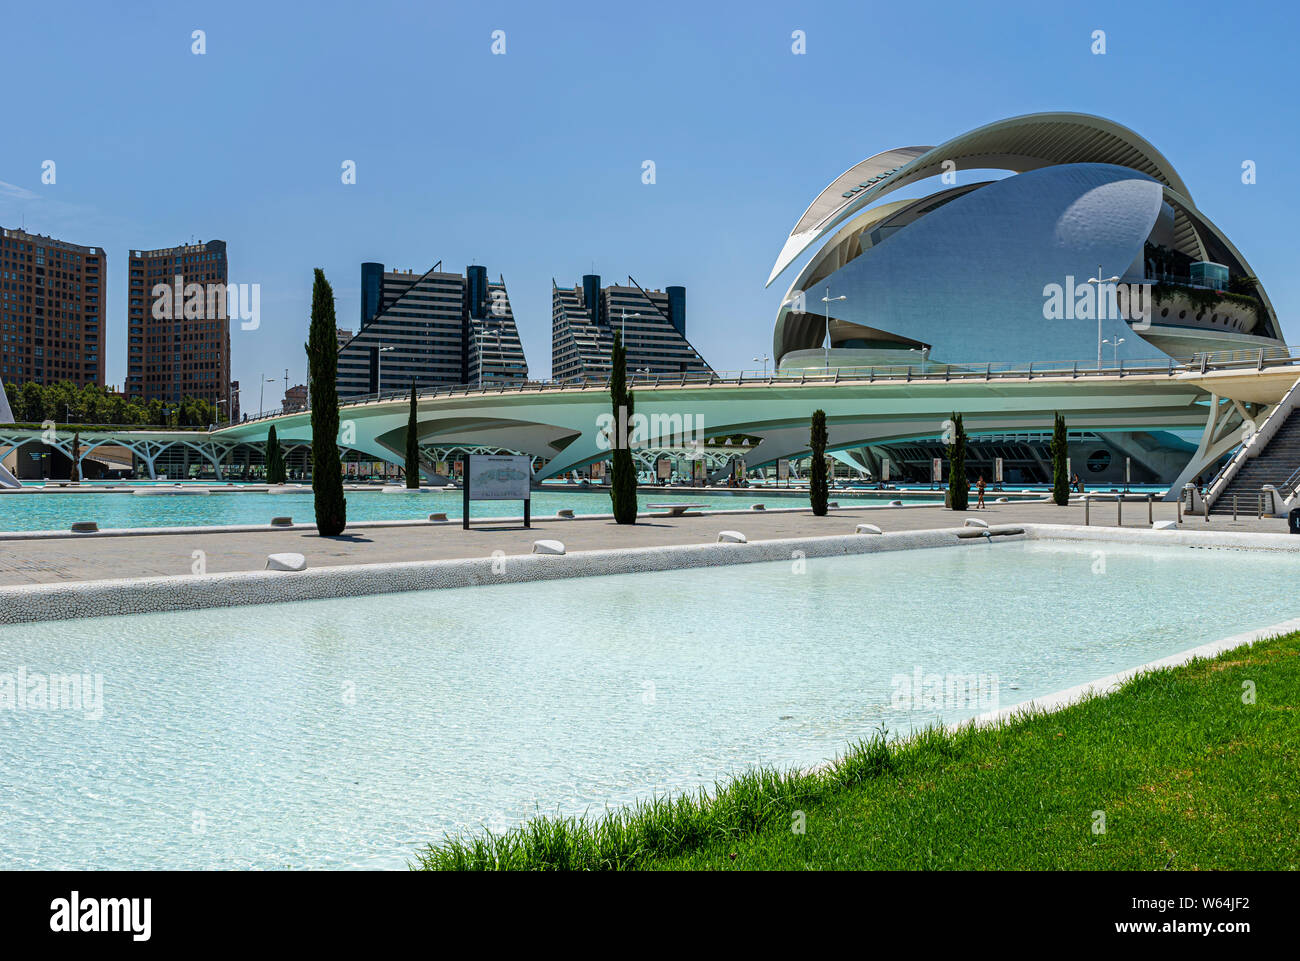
(531, 162)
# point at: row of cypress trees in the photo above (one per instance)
(957, 496)
(327, 480)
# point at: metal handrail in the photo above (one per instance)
(102, 426)
(1290, 485)
(1261, 435)
(1241, 498)
(1257, 359)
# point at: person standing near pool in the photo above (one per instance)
(979, 486)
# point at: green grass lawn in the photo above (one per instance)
(1186, 775)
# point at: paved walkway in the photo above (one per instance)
(96, 558)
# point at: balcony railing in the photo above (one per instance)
(1254, 359)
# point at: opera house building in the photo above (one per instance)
(979, 251)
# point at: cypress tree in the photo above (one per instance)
(1060, 482)
(275, 464)
(74, 473)
(323, 364)
(818, 486)
(412, 447)
(268, 456)
(622, 485)
(958, 495)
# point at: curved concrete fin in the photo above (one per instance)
(6, 417)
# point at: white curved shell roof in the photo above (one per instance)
(1017, 144)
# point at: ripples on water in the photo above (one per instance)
(33, 512)
(346, 733)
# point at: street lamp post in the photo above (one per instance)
(622, 327)
(379, 372)
(764, 359)
(261, 394)
(1100, 282)
(496, 336)
(1115, 344)
(482, 348)
(925, 354)
(827, 300)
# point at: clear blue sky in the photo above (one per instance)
(530, 162)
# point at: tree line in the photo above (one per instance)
(66, 403)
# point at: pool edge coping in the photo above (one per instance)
(31, 603)
(1110, 683)
(309, 526)
(1055, 701)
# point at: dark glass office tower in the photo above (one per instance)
(435, 329)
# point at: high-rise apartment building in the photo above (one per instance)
(178, 326)
(52, 301)
(434, 329)
(653, 325)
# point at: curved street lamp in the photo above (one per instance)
(1115, 344)
(261, 394)
(925, 355)
(1100, 282)
(379, 372)
(828, 300)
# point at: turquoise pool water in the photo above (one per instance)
(346, 733)
(57, 511)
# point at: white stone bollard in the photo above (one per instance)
(286, 562)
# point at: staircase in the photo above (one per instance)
(1275, 465)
